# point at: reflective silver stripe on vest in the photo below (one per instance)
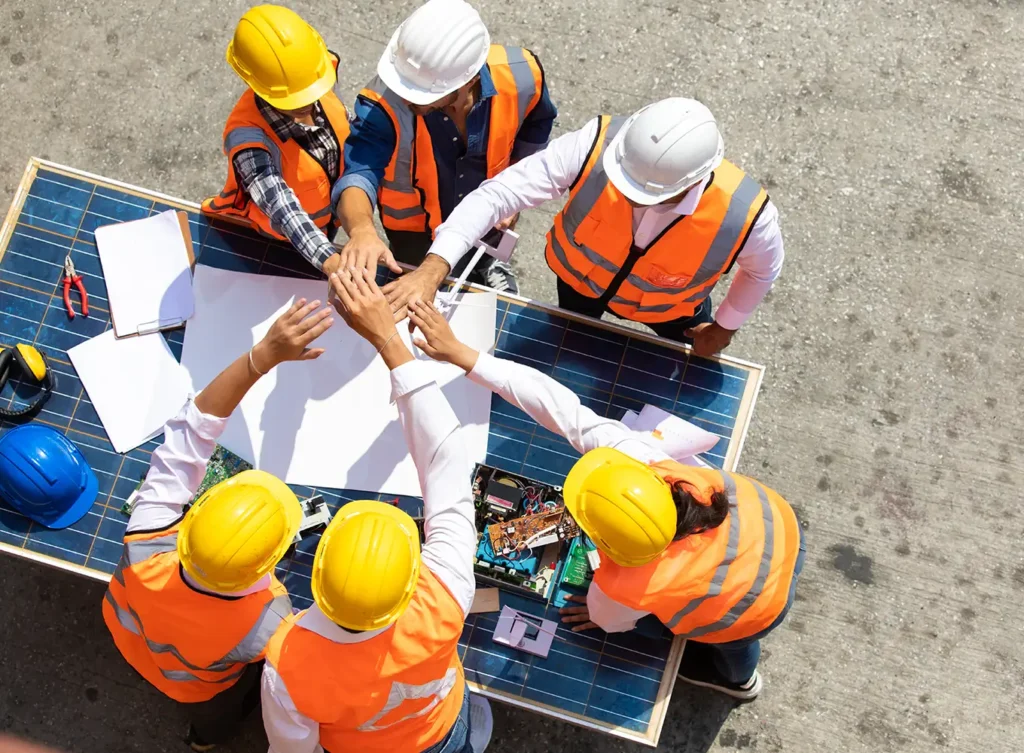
(728, 233)
(741, 606)
(526, 87)
(401, 214)
(122, 616)
(325, 212)
(180, 675)
(401, 691)
(731, 548)
(252, 645)
(559, 252)
(405, 131)
(249, 134)
(652, 308)
(134, 552)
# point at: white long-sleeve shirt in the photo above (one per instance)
(175, 472)
(548, 174)
(558, 409)
(443, 463)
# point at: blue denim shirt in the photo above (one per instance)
(461, 165)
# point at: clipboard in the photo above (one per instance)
(147, 274)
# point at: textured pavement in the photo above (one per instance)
(888, 133)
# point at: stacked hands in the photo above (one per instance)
(355, 294)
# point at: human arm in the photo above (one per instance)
(267, 189)
(529, 183)
(179, 464)
(599, 611)
(759, 263)
(432, 432)
(288, 731)
(367, 152)
(552, 405)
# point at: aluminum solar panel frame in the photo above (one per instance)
(619, 684)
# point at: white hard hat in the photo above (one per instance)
(664, 149)
(437, 49)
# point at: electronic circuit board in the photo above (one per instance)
(524, 532)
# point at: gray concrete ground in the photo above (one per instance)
(888, 133)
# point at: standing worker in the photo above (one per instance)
(447, 110)
(284, 138)
(194, 600)
(713, 554)
(373, 665)
(655, 216)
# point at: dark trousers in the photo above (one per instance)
(737, 660)
(578, 303)
(411, 248)
(217, 720)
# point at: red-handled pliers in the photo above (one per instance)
(71, 277)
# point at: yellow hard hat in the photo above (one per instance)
(367, 565)
(238, 531)
(623, 505)
(281, 57)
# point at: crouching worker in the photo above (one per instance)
(373, 665)
(714, 555)
(194, 600)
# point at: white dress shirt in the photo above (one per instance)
(443, 463)
(558, 409)
(175, 472)
(548, 174)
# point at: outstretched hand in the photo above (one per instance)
(438, 341)
(579, 617)
(290, 335)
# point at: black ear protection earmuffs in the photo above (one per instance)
(34, 369)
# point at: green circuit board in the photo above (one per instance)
(223, 465)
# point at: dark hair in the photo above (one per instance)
(693, 517)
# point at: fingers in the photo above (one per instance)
(294, 309)
(300, 317)
(585, 626)
(421, 344)
(389, 261)
(573, 611)
(310, 354)
(342, 284)
(322, 324)
(359, 281)
(577, 598)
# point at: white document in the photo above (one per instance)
(675, 436)
(329, 422)
(134, 383)
(147, 271)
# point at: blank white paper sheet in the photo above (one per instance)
(135, 384)
(147, 272)
(330, 422)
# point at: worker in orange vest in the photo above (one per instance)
(284, 137)
(714, 555)
(655, 217)
(373, 665)
(194, 601)
(447, 110)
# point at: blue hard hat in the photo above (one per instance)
(44, 476)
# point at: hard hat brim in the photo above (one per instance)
(312, 93)
(411, 93)
(633, 190)
(78, 510)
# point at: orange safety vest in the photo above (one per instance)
(190, 645)
(248, 129)
(722, 585)
(590, 246)
(397, 692)
(408, 193)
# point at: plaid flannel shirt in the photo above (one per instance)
(267, 189)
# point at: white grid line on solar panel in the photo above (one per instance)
(45, 304)
(625, 672)
(539, 668)
(499, 656)
(610, 642)
(109, 195)
(622, 692)
(685, 384)
(573, 701)
(59, 265)
(603, 710)
(72, 228)
(37, 197)
(44, 179)
(51, 326)
(69, 528)
(115, 220)
(581, 333)
(596, 333)
(48, 545)
(518, 358)
(645, 393)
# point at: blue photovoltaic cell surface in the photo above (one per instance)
(608, 679)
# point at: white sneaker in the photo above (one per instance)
(500, 277)
(481, 723)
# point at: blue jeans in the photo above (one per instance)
(737, 660)
(457, 740)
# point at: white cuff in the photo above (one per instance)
(488, 371)
(207, 426)
(410, 377)
(729, 317)
(450, 246)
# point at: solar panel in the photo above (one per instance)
(616, 683)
